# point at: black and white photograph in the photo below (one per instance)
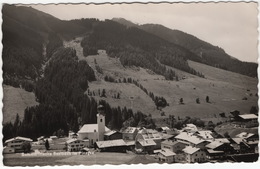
(129, 83)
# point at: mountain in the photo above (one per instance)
(135, 47)
(72, 66)
(210, 54)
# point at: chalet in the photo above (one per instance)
(166, 156)
(204, 134)
(15, 144)
(129, 133)
(112, 135)
(191, 139)
(248, 117)
(220, 146)
(148, 139)
(194, 154)
(248, 120)
(239, 145)
(94, 132)
(190, 128)
(76, 144)
(248, 142)
(213, 155)
(145, 145)
(173, 146)
(112, 145)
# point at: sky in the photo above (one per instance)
(231, 26)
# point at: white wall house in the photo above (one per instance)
(166, 156)
(76, 145)
(194, 154)
(16, 143)
(129, 133)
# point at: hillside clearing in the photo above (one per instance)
(225, 89)
(15, 101)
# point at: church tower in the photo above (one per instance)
(101, 122)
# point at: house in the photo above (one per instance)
(148, 139)
(94, 132)
(194, 154)
(15, 144)
(112, 135)
(213, 154)
(190, 128)
(235, 143)
(147, 145)
(173, 146)
(220, 146)
(166, 156)
(246, 142)
(112, 145)
(205, 134)
(129, 133)
(248, 120)
(191, 139)
(76, 144)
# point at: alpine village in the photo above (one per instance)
(87, 91)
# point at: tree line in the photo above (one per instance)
(135, 47)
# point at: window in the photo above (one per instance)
(101, 120)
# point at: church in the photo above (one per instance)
(94, 132)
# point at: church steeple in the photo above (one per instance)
(101, 122)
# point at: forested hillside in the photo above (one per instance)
(136, 47)
(210, 54)
(57, 77)
(25, 31)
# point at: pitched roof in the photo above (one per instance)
(190, 127)
(189, 137)
(222, 140)
(165, 128)
(129, 130)
(90, 128)
(145, 143)
(206, 134)
(150, 134)
(214, 152)
(130, 143)
(244, 135)
(248, 116)
(111, 143)
(190, 150)
(237, 140)
(170, 142)
(214, 144)
(109, 133)
(167, 153)
(19, 138)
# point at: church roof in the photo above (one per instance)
(91, 128)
